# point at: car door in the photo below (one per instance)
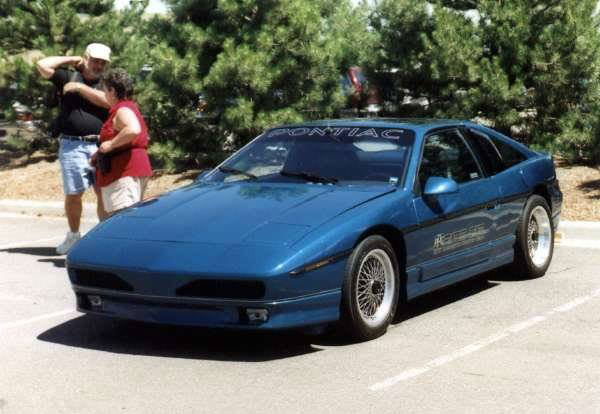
(497, 160)
(455, 230)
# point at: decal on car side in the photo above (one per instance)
(444, 242)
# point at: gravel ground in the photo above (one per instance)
(38, 178)
(581, 188)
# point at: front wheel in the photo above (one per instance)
(371, 289)
(535, 239)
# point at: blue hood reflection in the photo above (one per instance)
(235, 213)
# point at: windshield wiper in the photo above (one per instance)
(308, 176)
(236, 171)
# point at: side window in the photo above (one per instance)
(446, 154)
(510, 156)
(487, 152)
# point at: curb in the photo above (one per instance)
(579, 224)
(43, 208)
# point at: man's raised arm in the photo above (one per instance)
(48, 65)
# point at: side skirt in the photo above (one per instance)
(414, 288)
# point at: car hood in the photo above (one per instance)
(237, 213)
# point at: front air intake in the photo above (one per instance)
(100, 280)
(223, 289)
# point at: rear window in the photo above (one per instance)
(510, 155)
(495, 154)
(486, 151)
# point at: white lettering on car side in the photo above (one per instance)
(449, 241)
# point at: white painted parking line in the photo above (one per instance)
(28, 242)
(476, 346)
(22, 322)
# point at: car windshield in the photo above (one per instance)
(327, 155)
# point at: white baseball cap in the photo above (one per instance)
(98, 51)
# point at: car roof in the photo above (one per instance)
(409, 123)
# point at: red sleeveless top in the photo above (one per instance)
(130, 160)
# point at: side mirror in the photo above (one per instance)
(436, 186)
(202, 174)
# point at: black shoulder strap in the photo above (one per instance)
(75, 76)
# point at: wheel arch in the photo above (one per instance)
(396, 238)
(543, 192)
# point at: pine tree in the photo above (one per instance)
(256, 63)
(46, 24)
(527, 67)
(550, 50)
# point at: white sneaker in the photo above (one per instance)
(70, 240)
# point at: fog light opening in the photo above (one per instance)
(95, 300)
(257, 314)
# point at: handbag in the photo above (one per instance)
(104, 159)
(104, 162)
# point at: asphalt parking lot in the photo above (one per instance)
(492, 344)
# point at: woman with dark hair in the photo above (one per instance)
(122, 163)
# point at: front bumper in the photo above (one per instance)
(295, 312)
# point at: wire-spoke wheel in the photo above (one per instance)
(539, 235)
(370, 292)
(535, 238)
(375, 285)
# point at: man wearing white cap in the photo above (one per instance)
(83, 110)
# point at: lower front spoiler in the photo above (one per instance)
(301, 311)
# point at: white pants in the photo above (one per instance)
(123, 193)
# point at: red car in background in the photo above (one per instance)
(362, 94)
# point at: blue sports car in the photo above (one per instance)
(331, 221)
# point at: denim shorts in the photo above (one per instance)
(77, 173)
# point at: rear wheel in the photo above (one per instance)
(535, 239)
(371, 289)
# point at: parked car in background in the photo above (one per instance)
(325, 222)
(24, 117)
(362, 95)
(202, 111)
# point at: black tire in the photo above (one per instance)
(373, 250)
(530, 265)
